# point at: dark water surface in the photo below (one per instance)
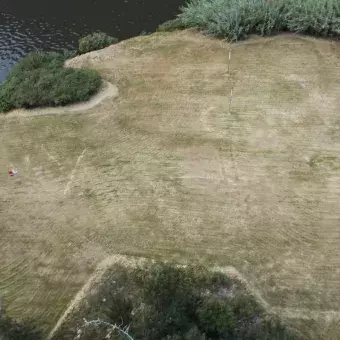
(27, 25)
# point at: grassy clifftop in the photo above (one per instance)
(168, 171)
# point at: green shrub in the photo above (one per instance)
(95, 41)
(234, 19)
(171, 25)
(237, 19)
(165, 302)
(171, 295)
(245, 307)
(321, 18)
(216, 318)
(40, 80)
(13, 330)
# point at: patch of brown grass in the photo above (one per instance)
(169, 173)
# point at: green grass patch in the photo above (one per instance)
(164, 302)
(40, 79)
(237, 19)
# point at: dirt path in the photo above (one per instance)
(108, 90)
(233, 272)
(290, 313)
(108, 262)
(94, 279)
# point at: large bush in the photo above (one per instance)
(237, 19)
(164, 302)
(316, 17)
(95, 41)
(40, 79)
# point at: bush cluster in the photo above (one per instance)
(95, 41)
(164, 302)
(237, 19)
(40, 79)
(13, 330)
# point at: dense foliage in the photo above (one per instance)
(40, 79)
(95, 41)
(163, 302)
(236, 19)
(13, 330)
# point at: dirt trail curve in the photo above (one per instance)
(94, 279)
(108, 90)
(289, 313)
(229, 270)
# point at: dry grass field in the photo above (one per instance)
(165, 171)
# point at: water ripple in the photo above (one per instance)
(19, 37)
(64, 22)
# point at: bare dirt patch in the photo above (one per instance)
(169, 173)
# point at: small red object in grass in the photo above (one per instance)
(13, 172)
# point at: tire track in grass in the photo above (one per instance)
(56, 301)
(10, 267)
(73, 173)
(47, 303)
(14, 295)
(15, 274)
(47, 232)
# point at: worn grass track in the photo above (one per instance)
(164, 171)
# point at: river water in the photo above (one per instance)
(27, 25)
